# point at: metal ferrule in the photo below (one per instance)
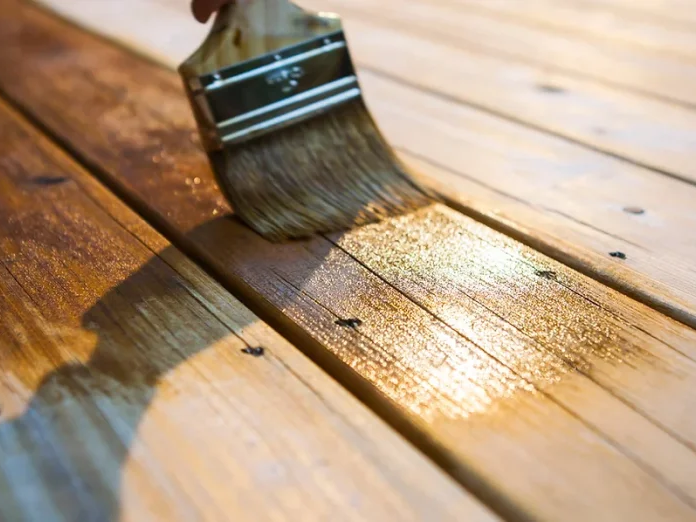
(288, 65)
(279, 89)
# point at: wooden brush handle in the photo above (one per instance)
(251, 28)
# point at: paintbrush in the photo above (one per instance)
(281, 116)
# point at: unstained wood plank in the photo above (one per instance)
(420, 46)
(612, 62)
(126, 392)
(671, 13)
(592, 22)
(526, 380)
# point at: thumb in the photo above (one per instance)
(202, 9)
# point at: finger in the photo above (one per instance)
(202, 9)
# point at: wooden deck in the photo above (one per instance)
(527, 352)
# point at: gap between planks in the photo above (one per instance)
(511, 371)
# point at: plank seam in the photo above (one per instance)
(489, 51)
(519, 121)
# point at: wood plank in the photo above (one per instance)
(526, 418)
(577, 205)
(611, 63)
(126, 394)
(676, 13)
(592, 22)
(557, 196)
(646, 131)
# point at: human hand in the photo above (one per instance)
(202, 9)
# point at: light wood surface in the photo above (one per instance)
(614, 63)
(402, 42)
(676, 13)
(525, 380)
(125, 393)
(595, 22)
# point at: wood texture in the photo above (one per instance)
(596, 23)
(575, 204)
(677, 13)
(125, 393)
(401, 41)
(615, 63)
(526, 380)
(560, 197)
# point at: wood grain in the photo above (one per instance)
(594, 23)
(677, 13)
(447, 348)
(612, 63)
(125, 392)
(557, 196)
(401, 42)
(576, 205)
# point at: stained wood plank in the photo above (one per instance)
(527, 419)
(560, 197)
(125, 393)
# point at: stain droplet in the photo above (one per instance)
(196, 181)
(49, 180)
(237, 39)
(546, 274)
(634, 210)
(257, 351)
(349, 323)
(619, 255)
(552, 89)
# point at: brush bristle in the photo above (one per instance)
(327, 174)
